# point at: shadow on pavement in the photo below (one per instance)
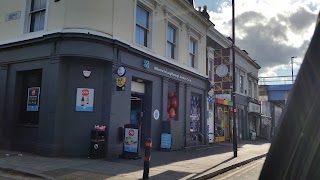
(169, 174)
(159, 158)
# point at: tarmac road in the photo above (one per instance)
(7, 175)
(249, 171)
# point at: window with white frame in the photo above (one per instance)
(241, 83)
(171, 42)
(37, 15)
(210, 63)
(192, 52)
(255, 91)
(250, 88)
(142, 26)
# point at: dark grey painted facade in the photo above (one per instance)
(64, 131)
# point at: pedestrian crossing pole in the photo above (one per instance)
(234, 129)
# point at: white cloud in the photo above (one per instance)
(290, 24)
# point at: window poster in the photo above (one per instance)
(219, 121)
(33, 99)
(84, 101)
(131, 138)
(172, 106)
(195, 114)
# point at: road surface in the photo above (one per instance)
(5, 175)
(249, 171)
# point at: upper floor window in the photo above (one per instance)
(210, 69)
(192, 53)
(142, 26)
(171, 42)
(241, 83)
(37, 15)
(255, 90)
(250, 88)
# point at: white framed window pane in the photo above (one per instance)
(35, 5)
(191, 60)
(142, 17)
(35, 21)
(42, 18)
(138, 15)
(43, 4)
(170, 50)
(141, 36)
(171, 34)
(137, 36)
(191, 46)
(145, 34)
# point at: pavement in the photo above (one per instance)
(195, 163)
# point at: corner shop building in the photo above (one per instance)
(56, 63)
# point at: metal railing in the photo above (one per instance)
(195, 141)
(276, 80)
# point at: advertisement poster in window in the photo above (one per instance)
(131, 138)
(172, 106)
(219, 121)
(84, 101)
(195, 114)
(33, 99)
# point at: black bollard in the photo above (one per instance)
(147, 158)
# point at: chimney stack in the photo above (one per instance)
(204, 13)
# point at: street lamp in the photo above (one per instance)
(234, 129)
(292, 66)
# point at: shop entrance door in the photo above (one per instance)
(219, 124)
(28, 89)
(137, 110)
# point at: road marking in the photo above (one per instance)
(246, 169)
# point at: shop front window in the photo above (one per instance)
(172, 106)
(195, 114)
(219, 121)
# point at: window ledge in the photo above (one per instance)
(143, 47)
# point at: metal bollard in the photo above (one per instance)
(147, 158)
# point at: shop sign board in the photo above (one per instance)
(165, 141)
(131, 140)
(172, 74)
(33, 99)
(224, 96)
(254, 107)
(84, 101)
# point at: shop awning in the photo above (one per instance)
(223, 102)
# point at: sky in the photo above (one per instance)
(271, 31)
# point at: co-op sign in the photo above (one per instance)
(171, 74)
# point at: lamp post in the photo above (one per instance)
(292, 67)
(234, 129)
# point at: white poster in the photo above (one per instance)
(131, 140)
(84, 101)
